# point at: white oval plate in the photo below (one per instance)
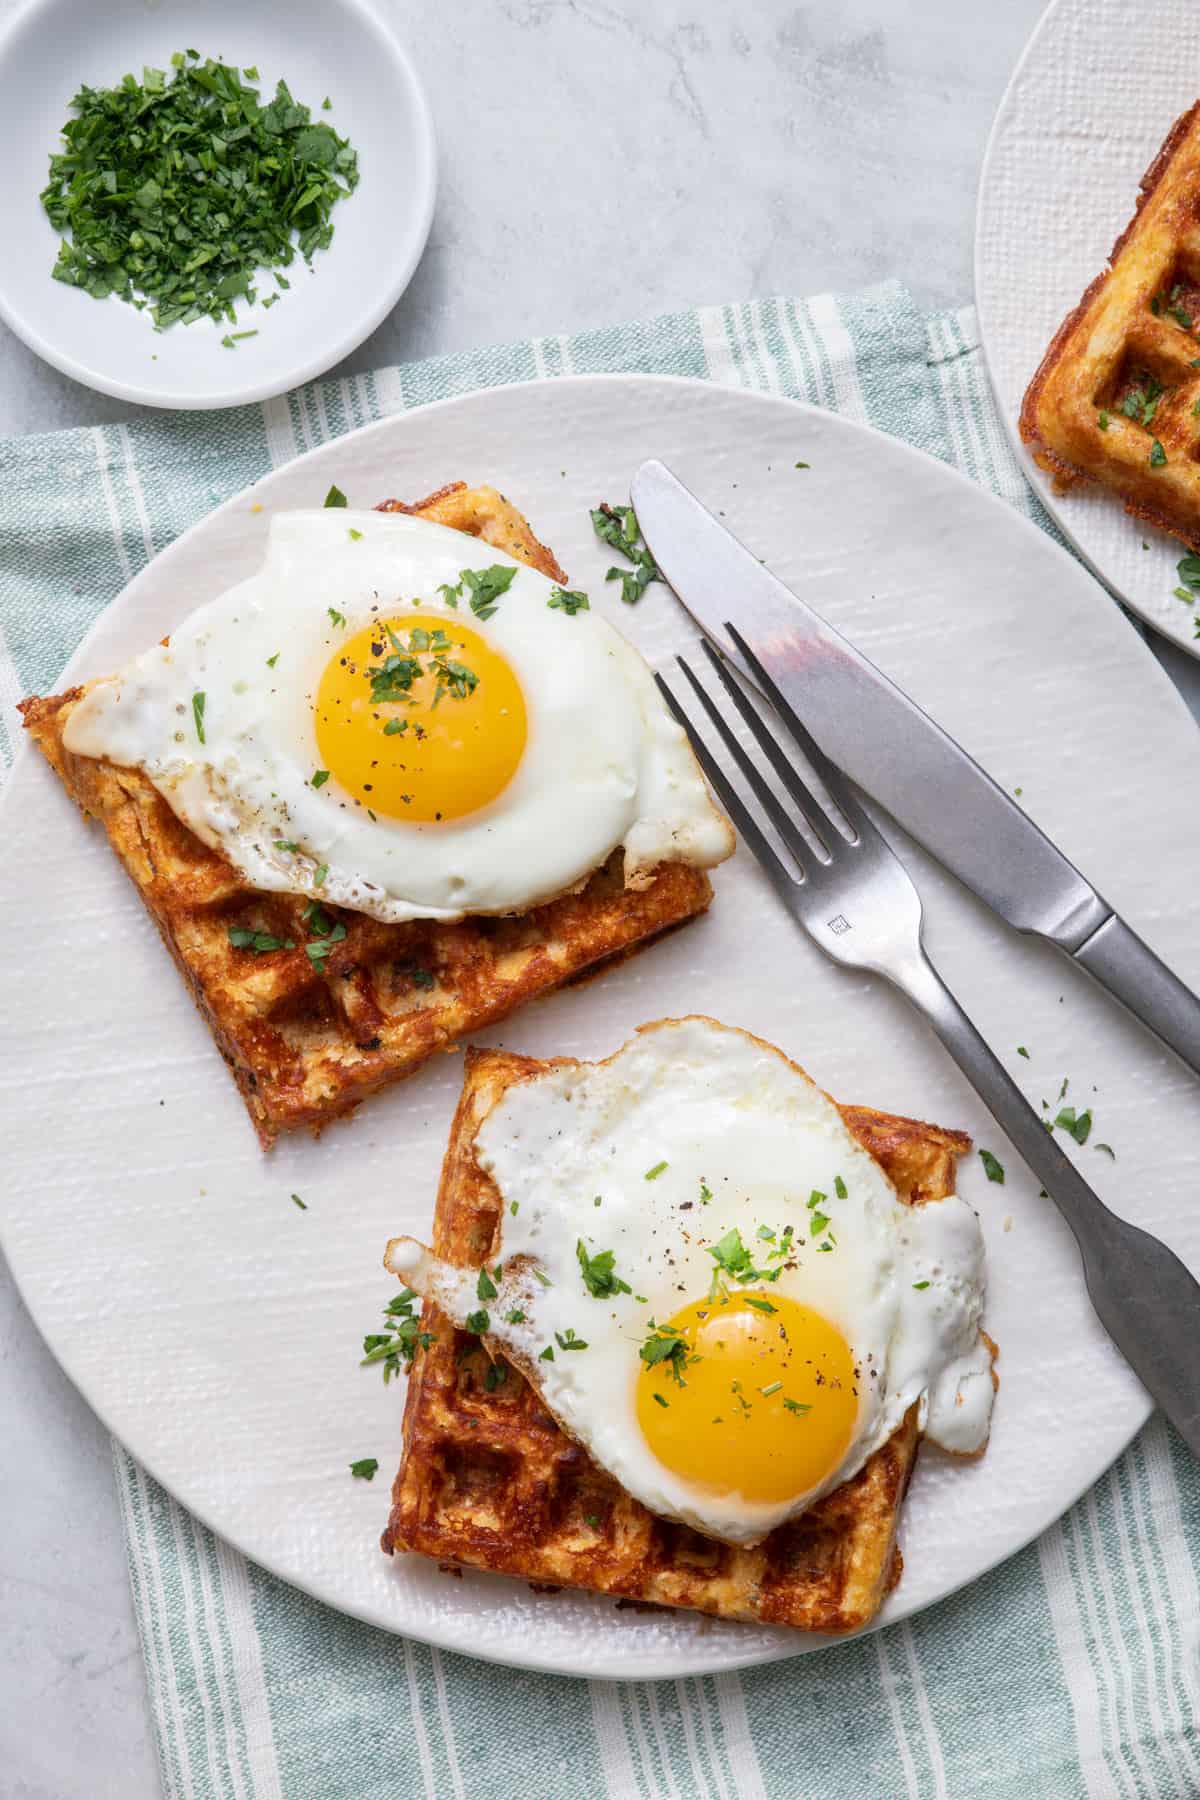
(339, 50)
(216, 1328)
(1097, 89)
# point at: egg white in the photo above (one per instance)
(723, 1110)
(604, 764)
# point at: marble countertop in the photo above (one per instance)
(700, 154)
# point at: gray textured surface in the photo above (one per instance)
(594, 166)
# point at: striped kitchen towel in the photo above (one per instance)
(1070, 1671)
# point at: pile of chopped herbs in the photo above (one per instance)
(176, 192)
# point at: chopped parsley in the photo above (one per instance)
(1022, 1051)
(335, 617)
(1077, 1125)
(1188, 571)
(485, 1287)
(617, 526)
(1158, 455)
(734, 1259)
(302, 1204)
(796, 1406)
(760, 1303)
(484, 587)
(392, 679)
(567, 600)
(1102, 420)
(566, 1340)
(514, 1316)
(803, 465)
(658, 1169)
(920, 1286)
(335, 497)
(598, 1276)
(705, 1193)
(1141, 403)
(352, 534)
(365, 1468)
(992, 1167)
(286, 844)
(478, 1321)
(1107, 1149)
(396, 1346)
(324, 931)
(666, 1347)
(662, 1400)
(171, 192)
(272, 660)
(231, 339)
(241, 937)
(319, 777)
(319, 874)
(547, 1354)
(542, 1276)
(772, 1387)
(839, 1187)
(198, 715)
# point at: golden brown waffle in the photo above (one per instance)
(1115, 399)
(490, 1480)
(306, 1043)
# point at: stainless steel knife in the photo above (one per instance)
(903, 759)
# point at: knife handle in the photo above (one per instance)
(1117, 958)
(1144, 1296)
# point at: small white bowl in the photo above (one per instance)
(338, 49)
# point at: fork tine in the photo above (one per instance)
(817, 818)
(739, 812)
(793, 838)
(839, 788)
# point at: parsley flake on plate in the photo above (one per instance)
(617, 526)
(992, 1167)
(365, 1468)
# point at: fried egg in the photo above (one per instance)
(408, 722)
(712, 1285)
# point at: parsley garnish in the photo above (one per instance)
(920, 1285)
(666, 1345)
(365, 1468)
(1158, 455)
(1188, 571)
(335, 497)
(597, 1271)
(1078, 1125)
(1107, 1149)
(760, 1303)
(547, 1354)
(396, 1346)
(319, 874)
(654, 1173)
(1102, 420)
(796, 1406)
(286, 844)
(335, 617)
(485, 1287)
(325, 932)
(1022, 1051)
(839, 1187)
(567, 600)
(514, 1316)
(242, 938)
(662, 1401)
(352, 534)
(302, 1204)
(733, 1259)
(568, 1341)
(175, 191)
(319, 777)
(992, 1168)
(198, 715)
(705, 1193)
(617, 526)
(478, 1321)
(484, 586)
(272, 660)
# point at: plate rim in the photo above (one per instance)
(1042, 489)
(524, 1655)
(318, 362)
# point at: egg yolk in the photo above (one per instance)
(763, 1403)
(420, 718)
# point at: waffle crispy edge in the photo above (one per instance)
(306, 1045)
(1113, 334)
(488, 1479)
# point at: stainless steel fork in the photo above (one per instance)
(857, 902)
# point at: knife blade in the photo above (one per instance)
(903, 759)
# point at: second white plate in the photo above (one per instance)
(217, 1329)
(1094, 95)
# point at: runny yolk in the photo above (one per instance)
(767, 1403)
(420, 718)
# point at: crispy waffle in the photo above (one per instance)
(488, 1479)
(1115, 399)
(306, 1042)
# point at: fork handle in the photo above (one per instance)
(1144, 1296)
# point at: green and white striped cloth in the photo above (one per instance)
(1070, 1671)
